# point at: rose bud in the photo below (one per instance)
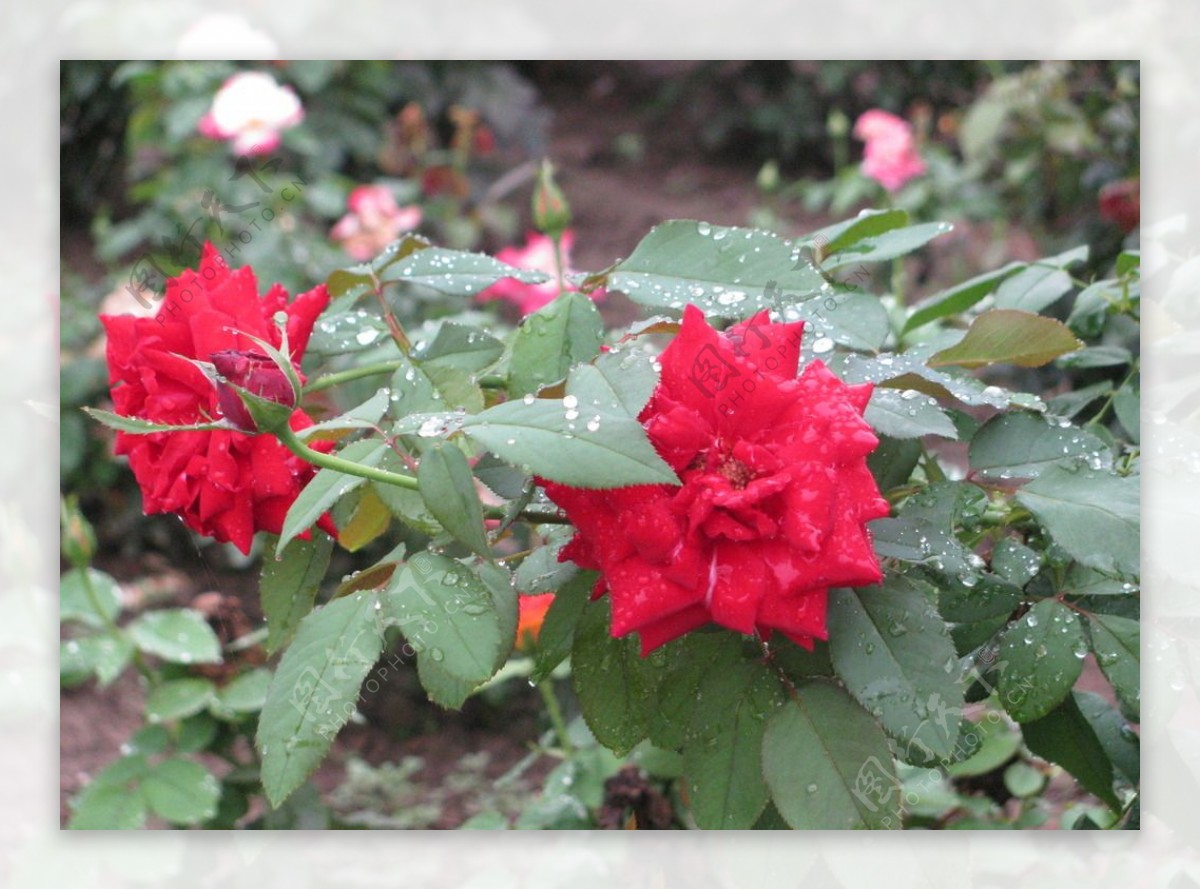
(256, 395)
(551, 213)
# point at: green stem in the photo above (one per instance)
(350, 468)
(558, 264)
(556, 716)
(341, 377)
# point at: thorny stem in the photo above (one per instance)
(393, 324)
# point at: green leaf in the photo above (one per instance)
(886, 245)
(827, 763)
(108, 804)
(246, 693)
(448, 489)
(1105, 356)
(551, 340)
(447, 614)
(1021, 444)
(570, 441)
(959, 298)
(442, 687)
(351, 331)
(610, 680)
(413, 392)
(105, 655)
(867, 224)
(136, 425)
(1117, 644)
(1115, 735)
(1065, 737)
(364, 416)
(893, 461)
(855, 320)
(1068, 404)
(454, 272)
(722, 758)
(724, 271)
(1009, 336)
(540, 571)
(74, 604)
(289, 584)
(1091, 306)
(176, 699)
(1041, 283)
(1014, 562)
(631, 375)
(1040, 660)
(1023, 780)
(557, 635)
(178, 635)
(994, 744)
(315, 690)
(1093, 515)
(327, 487)
(687, 663)
(1127, 405)
(907, 414)
(459, 347)
(181, 791)
(895, 656)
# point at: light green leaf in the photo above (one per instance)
(137, 425)
(454, 272)
(327, 488)
(447, 614)
(896, 658)
(886, 246)
(1041, 657)
(246, 693)
(1041, 283)
(631, 375)
(579, 445)
(907, 414)
(867, 224)
(1009, 336)
(74, 603)
(176, 699)
(458, 346)
(827, 763)
(315, 690)
(178, 635)
(181, 791)
(364, 416)
(1093, 515)
(724, 271)
(111, 801)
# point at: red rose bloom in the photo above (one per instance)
(224, 484)
(775, 498)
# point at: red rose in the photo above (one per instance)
(223, 484)
(1120, 203)
(775, 498)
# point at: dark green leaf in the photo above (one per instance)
(551, 340)
(959, 298)
(827, 763)
(1065, 737)
(722, 757)
(896, 658)
(1117, 645)
(611, 681)
(1114, 733)
(1093, 515)
(893, 461)
(289, 585)
(1022, 444)
(448, 489)
(1041, 657)
(1014, 562)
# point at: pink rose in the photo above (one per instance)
(537, 255)
(375, 220)
(251, 110)
(890, 157)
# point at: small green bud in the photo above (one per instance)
(551, 212)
